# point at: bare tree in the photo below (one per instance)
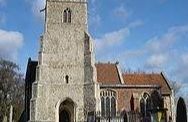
(176, 86)
(11, 89)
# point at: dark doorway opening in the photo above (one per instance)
(64, 116)
(125, 117)
(66, 111)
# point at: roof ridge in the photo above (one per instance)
(106, 63)
(139, 73)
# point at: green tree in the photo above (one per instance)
(11, 90)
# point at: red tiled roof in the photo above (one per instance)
(147, 79)
(107, 73)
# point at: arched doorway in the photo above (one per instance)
(64, 116)
(66, 111)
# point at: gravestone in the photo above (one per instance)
(181, 112)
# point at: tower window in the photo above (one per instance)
(67, 79)
(67, 16)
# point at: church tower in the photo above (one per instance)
(64, 90)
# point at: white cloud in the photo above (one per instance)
(95, 20)
(160, 50)
(10, 43)
(112, 38)
(107, 45)
(109, 41)
(135, 23)
(181, 68)
(167, 40)
(167, 52)
(172, 61)
(157, 60)
(122, 12)
(184, 58)
(36, 6)
(161, 53)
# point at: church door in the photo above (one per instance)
(66, 111)
(64, 116)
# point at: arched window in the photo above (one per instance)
(67, 15)
(108, 106)
(108, 103)
(132, 103)
(113, 106)
(142, 106)
(145, 104)
(102, 106)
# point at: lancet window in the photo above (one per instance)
(67, 15)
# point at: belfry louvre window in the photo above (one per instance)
(108, 103)
(67, 15)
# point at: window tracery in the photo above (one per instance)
(108, 103)
(67, 15)
(145, 104)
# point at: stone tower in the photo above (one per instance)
(64, 89)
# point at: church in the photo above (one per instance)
(67, 85)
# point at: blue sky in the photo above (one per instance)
(149, 35)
